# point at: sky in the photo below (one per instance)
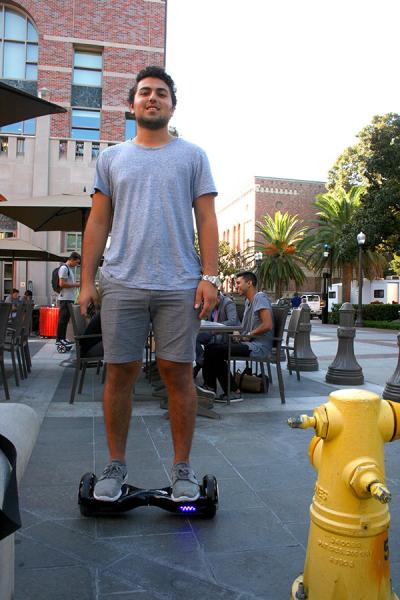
(279, 88)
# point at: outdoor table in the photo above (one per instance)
(220, 328)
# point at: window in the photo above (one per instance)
(379, 293)
(332, 295)
(79, 149)
(95, 150)
(19, 46)
(62, 149)
(20, 146)
(130, 126)
(87, 68)
(74, 242)
(85, 124)
(26, 127)
(3, 145)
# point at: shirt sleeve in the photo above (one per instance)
(203, 179)
(261, 301)
(101, 178)
(63, 272)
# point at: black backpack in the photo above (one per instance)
(55, 280)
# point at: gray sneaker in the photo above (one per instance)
(108, 486)
(205, 391)
(184, 483)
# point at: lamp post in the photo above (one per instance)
(258, 260)
(360, 242)
(326, 275)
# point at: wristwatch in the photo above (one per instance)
(213, 279)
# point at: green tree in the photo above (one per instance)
(229, 261)
(337, 211)
(279, 239)
(374, 162)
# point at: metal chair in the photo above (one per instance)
(84, 358)
(291, 341)
(5, 308)
(12, 342)
(280, 314)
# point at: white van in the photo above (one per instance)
(314, 302)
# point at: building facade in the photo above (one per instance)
(264, 196)
(83, 55)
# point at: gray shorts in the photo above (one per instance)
(126, 315)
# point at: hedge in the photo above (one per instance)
(370, 312)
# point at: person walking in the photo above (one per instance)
(67, 284)
(146, 189)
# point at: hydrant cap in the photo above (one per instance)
(353, 395)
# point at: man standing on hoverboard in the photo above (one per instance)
(145, 190)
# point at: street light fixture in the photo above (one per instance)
(326, 275)
(360, 241)
(258, 256)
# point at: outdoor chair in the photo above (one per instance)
(5, 308)
(84, 358)
(280, 314)
(290, 344)
(12, 342)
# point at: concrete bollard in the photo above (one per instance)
(345, 370)
(306, 358)
(392, 387)
(20, 424)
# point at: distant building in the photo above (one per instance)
(84, 56)
(266, 195)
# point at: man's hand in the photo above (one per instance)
(88, 295)
(207, 294)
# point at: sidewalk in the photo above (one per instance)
(255, 546)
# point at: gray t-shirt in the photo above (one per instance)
(261, 345)
(152, 192)
(65, 272)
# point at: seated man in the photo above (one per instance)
(255, 341)
(225, 313)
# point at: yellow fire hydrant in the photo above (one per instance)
(348, 549)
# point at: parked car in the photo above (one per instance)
(314, 301)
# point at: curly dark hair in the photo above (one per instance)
(159, 73)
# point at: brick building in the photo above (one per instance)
(83, 55)
(266, 195)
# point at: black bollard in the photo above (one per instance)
(306, 358)
(392, 387)
(345, 370)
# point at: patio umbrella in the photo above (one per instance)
(16, 249)
(61, 212)
(17, 105)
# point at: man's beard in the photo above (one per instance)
(159, 123)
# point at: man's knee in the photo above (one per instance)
(174, 373)
(123, 374)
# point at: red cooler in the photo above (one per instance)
(48, 321)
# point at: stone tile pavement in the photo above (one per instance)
(255, 546)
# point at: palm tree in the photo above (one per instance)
(337, 211)
(279, 239)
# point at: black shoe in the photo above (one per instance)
(196, 370)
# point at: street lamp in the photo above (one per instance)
(360, 242)
(258, 256)
(326, 275)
